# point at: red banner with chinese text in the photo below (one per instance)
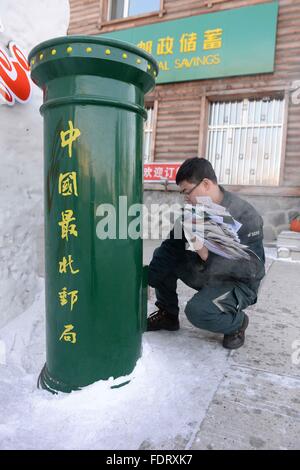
(160, 172)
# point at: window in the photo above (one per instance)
(148, 135)
(245, 141)
(125, 8)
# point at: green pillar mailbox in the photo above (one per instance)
(93, 134)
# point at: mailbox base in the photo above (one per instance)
(46, 382)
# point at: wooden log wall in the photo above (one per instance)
(182, 107)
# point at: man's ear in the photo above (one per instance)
(206, 183)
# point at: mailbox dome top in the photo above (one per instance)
(92, 55)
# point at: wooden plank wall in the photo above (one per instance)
(181, 106)
(84, 16)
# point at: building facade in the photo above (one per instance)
(239, 107)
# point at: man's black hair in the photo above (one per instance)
(195, 170)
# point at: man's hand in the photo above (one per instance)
(200, 249)
(203, 253)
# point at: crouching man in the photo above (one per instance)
(225, 286)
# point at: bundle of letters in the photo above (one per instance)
(209, 224)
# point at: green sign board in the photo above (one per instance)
(227, 43)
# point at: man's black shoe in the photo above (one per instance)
(236, 339)
(162, 320)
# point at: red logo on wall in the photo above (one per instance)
(15, 82)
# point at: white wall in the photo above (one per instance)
(27, 22)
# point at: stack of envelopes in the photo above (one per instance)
(211, 225)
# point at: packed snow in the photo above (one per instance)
(162, 407)
(21, 176)
(165, 401)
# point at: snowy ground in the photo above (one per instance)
(167, 397)
(166, 404)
